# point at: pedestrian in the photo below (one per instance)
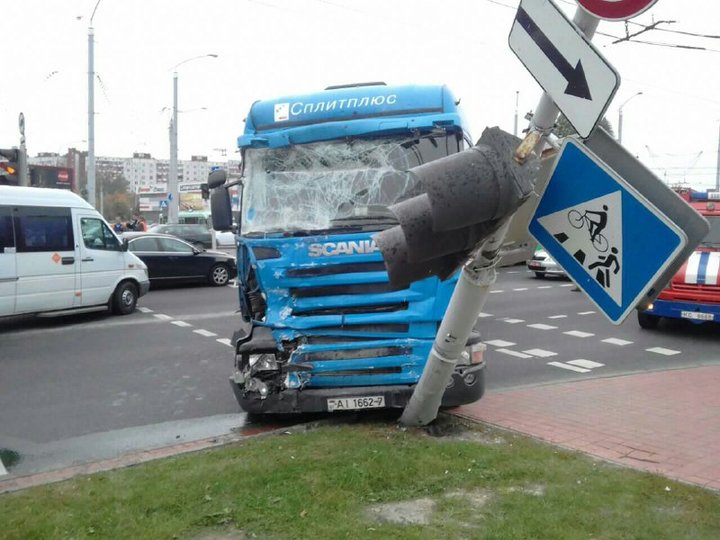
(142, 224)
(132, 225)
(118, 226)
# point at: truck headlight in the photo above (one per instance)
(263, 362)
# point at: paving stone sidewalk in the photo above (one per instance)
(664, 422)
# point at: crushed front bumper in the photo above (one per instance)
(467, 386)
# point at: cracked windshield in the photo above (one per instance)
(335, 184)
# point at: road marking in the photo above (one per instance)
(541, 326)
(578, 333)
(206, 333)
(3, 470)
(499, 343)
(569, 367)
(496, 291)
(512, 321)
(567, 285)
(145, 309)
(586, 312)
(224, 341)
(617, 341)
(546, 286)
(662, 350)
(521, 289)
(513, 353)
(587, 364)
(557, 316)
(163, 317)
(542, 353)
(182, 324)
(483, 315)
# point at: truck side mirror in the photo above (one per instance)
(221, 209)
(216, 178)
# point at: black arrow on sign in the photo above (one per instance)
(575, 76)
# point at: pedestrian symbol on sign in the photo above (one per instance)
(591, 232)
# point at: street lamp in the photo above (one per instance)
(620, 115)
(91, 112)
(173, 194)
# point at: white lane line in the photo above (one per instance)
(145, 309)
(616, 341)
(545, 286)
(578, 333)
(514, 272)
(567, 285)
(499, 343)
(542, 353)
(496, 291)
(587, 364)
(569, 367)
(513, 353)
(3, 470)
(483, 315)
(512, 321)
(662, 350)
(206, 333)
(182, 324)
(521, 289)
(224, 341)
(557, 316)
(586, 312)
(163, 317)
(541, 326)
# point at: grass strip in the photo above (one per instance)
(370, 479)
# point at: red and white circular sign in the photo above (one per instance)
(615, 10)
(63, 176)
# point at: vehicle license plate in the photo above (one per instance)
(349, 403)
(696, 315)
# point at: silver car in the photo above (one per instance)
(543, 264)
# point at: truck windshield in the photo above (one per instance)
(332, 185)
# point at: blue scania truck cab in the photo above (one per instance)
(322, 329)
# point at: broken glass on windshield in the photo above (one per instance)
(333, 184)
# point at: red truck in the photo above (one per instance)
(694, 291)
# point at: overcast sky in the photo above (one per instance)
(269, 48)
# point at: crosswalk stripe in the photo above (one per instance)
(578, 333)
(663, 351)
(568, 367)
(516, 354)
(617, 341)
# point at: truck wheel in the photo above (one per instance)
(124, 298)
(539, 275)
(219, 275)
(647, 321)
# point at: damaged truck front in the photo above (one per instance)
(322, 329)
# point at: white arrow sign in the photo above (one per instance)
(580, 81)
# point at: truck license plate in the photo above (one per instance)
(696, 315)
(352, 403)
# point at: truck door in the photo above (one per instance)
(46, 259)
(8, 268)
(101, 259)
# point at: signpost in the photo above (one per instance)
(615, 10)
(163, 203)
(579, 80)
(617, 230)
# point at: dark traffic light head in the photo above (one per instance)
(467, 196)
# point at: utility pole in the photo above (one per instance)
(717, 167)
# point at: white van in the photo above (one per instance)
(58, 254)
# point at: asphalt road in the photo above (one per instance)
(94, 386)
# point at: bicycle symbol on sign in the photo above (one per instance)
(595, 222)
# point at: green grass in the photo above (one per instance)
(319, 484)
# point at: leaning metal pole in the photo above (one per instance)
(476, 278)
(465, 305)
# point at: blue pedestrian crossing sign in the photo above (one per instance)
(605, 234)
(163, 203)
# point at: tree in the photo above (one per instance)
(564, 129)
(117, 199)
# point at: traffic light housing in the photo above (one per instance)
(205, 191)
(10, 169)
(466, 198)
